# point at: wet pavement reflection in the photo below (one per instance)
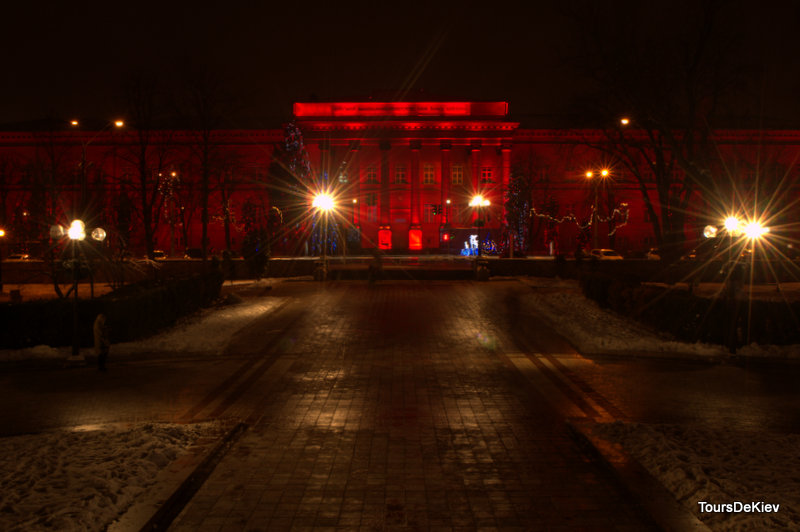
(397, 412)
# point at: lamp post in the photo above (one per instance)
(753, 230)
(324, 203)
(76, 234)
(596, 185)
(84, 148)
(2, 237)
(479, 201)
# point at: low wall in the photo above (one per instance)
(643, 270)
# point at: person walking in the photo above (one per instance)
(102, 341)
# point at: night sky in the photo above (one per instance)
(71, 58)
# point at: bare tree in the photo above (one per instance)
(202, 106)
(669, 70)
(149, 153)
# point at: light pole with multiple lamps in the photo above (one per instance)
(595, 219)
(735, 228)
(84, 147)
(76, 233)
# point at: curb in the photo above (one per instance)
(170, 496)
(652, 496)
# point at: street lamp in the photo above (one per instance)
(324, 203)
(76, 233)
(479, 202)
(753, 230)
(2, 236)
(84, 146)
(595, 219)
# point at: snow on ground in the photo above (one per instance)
(84, 478)
(42, 476)
(76, 479)
(595, 330)
(720, 467)
(694, 463)
(206, 331)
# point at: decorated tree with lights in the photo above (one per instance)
(518, 206)
(289, 178)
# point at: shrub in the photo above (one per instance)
(134, 311)
(691, 318)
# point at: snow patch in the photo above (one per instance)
(596, 330)
(718, 466)
(84, 478)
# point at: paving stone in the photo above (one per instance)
(397, 416)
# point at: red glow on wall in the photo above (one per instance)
(399, 109)
(384, 238)
(415, 239)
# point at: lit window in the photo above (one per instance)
(372, 174)
(486, 174)
(457, 174)
(343, 177)
(399, 174)
(428, 175)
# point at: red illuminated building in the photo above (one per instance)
(403, 175)
(412, 167)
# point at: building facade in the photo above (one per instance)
(405, 177)
(408, 171)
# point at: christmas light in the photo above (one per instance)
(621, 211)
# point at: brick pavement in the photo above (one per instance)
(395, 412)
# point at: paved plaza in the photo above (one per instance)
(395, 407)
(400, 405)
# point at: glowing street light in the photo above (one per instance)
(732, 225)
(76, 233)
(324, 203)
(77, 230)
(84, 148)
(604, 173)
(479, 202)
(754, 230)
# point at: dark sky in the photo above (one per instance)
(71, 58)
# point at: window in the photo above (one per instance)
(486, 174)
(428, 175)
(457, 174)
(343, 177)
(371, 174)
(371, 199)
(372, 214)
(399, 174)
(429, 213)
